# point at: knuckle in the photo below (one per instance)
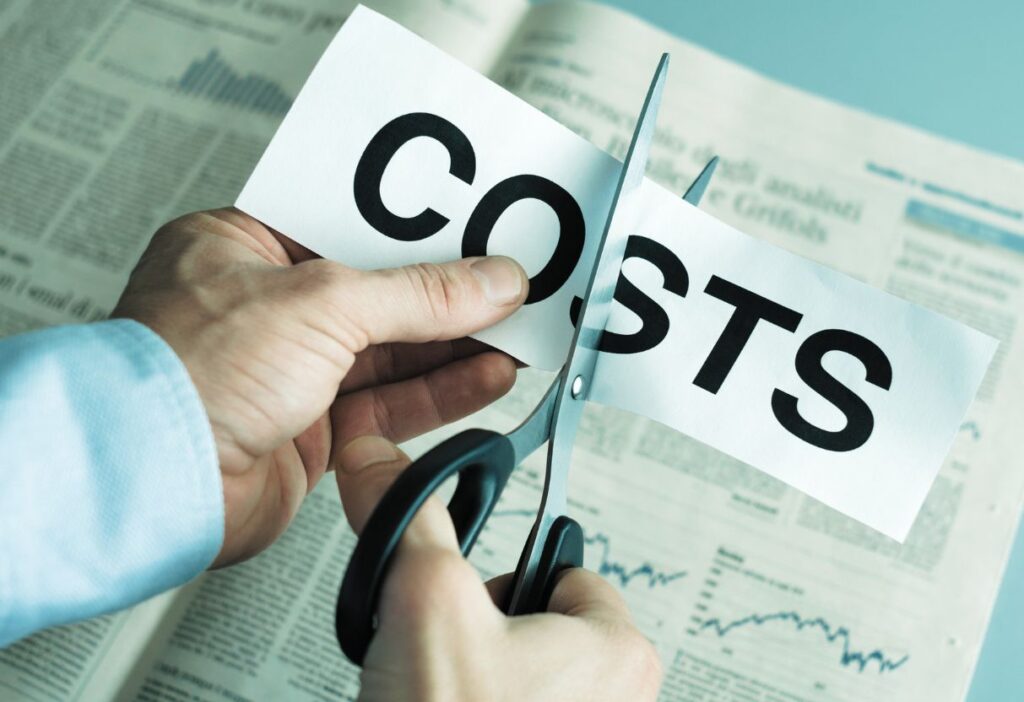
(381, 414)
(187, 222)
(320, 281)
(498, 379)
(186, 230)
(385, 364)
(643, 661)
(437, 396)
(320, 274)
(169, 251)
(438, 290)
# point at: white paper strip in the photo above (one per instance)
(395, 153)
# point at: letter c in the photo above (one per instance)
(378, 154)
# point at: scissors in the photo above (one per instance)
(484, 460)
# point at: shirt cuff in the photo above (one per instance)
(111, 488)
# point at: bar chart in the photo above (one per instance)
(213, 78)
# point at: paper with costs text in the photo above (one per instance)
(395, 153)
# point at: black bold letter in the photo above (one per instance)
(750, 309)
(859, 420)
(378, 154)
(572, 229)
(654, 321)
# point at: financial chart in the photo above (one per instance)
(201, 54)
(726, 616)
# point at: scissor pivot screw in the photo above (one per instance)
(577, 387)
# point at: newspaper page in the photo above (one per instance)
(751, 590)
(105, 134)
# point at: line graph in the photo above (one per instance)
(624, 574)
(848, 658)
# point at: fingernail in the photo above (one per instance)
(364, 452)
(501, 279)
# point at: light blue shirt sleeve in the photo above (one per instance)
(110, 490)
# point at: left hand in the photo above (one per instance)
(292, 354)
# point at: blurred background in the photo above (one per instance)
(951, 67)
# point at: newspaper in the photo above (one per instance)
(750, 590)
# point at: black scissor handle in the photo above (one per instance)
(563, 548)
(483, 461)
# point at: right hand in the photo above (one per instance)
(441, 636)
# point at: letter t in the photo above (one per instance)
(750, 309)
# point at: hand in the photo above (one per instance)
(294, 355)
(441, 637)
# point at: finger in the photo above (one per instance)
(365, 468)
(280, 248)
(431, 590)
(609, 658)
(499, 588)
(234, 224)
(408, 408)
(389, 363)
(314, 448)
(581, 593)
(296, 251)
(424, 302)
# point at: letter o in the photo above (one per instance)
(571, 234)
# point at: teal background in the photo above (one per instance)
(952, 68)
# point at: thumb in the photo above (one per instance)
(427, 301)
(365, 468)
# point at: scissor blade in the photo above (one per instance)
(597, 302)
(696, 190)
(575, 378)
(535, 429)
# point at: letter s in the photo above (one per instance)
(378, 154)
(654, 320)
(859, 420)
